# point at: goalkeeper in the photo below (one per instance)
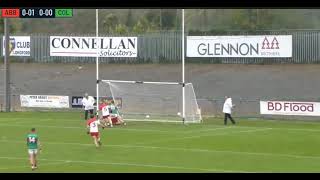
(115, 116)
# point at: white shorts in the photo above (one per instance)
(114, 115)
(32, 151)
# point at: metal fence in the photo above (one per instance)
(165, 47)
(152, 48)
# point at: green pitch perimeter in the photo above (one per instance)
(249, 146)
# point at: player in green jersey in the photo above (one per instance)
(115, 115)
(33, 144)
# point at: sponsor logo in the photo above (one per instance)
(273, 45)
(18, 45)
(93, 46)
(76, 101)
(46, 101)
(12, 44)
(290, 106)
(239, 46)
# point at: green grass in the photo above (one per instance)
(250, 146)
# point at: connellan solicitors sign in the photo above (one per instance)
(93, 46)
(268, 46)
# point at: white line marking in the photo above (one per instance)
(204, 130)
(133, 164)
(162, 131)
(199, 136)
(122, 129)
(215, 119)
(39, 165)
(181, 149)
(290, 129)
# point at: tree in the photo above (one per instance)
(121, 29)
(138, 28)
(1, 25)
(168, 19)
(15, 25)
(129, 22)
(153, 17)
(245, 19)
(110, 22)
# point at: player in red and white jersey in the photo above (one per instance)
(102, 104)
(106, 114)
(93, 129)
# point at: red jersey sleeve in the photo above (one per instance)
(91, 120)
(101, 106)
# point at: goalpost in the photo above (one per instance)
(165, 101)
(152, 101)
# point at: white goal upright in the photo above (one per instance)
(152, 101)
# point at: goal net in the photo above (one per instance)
(152, 101)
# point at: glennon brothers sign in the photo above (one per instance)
(269, 46)
(93, 46)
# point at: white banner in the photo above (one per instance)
(44, 101)
(92, 46)
(18, 45)
(269, 46)
(290, 108)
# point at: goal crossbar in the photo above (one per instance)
(144, 82)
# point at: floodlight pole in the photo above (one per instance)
(183, 80)
(97, 63)
(6, 67)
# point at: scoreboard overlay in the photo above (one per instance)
(36, 13)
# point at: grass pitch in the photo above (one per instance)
(249, 146)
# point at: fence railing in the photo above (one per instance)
(165, 47)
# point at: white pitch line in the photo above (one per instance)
(73, 127)
(133, 164)
(199, 136)
(40, 165)
(276, 128)
(47, 119)
(182, 149)
(122, 129)
(151, 130)
(75, 120)
(204, 130)
(36, 119)
(216, 119)
(60, 127)
(217, 151)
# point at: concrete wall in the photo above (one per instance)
(213, 81)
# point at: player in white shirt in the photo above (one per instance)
(106, 113)
(227, 108)
(93, 129)
(88, 103)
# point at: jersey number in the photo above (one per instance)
(32, 139)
